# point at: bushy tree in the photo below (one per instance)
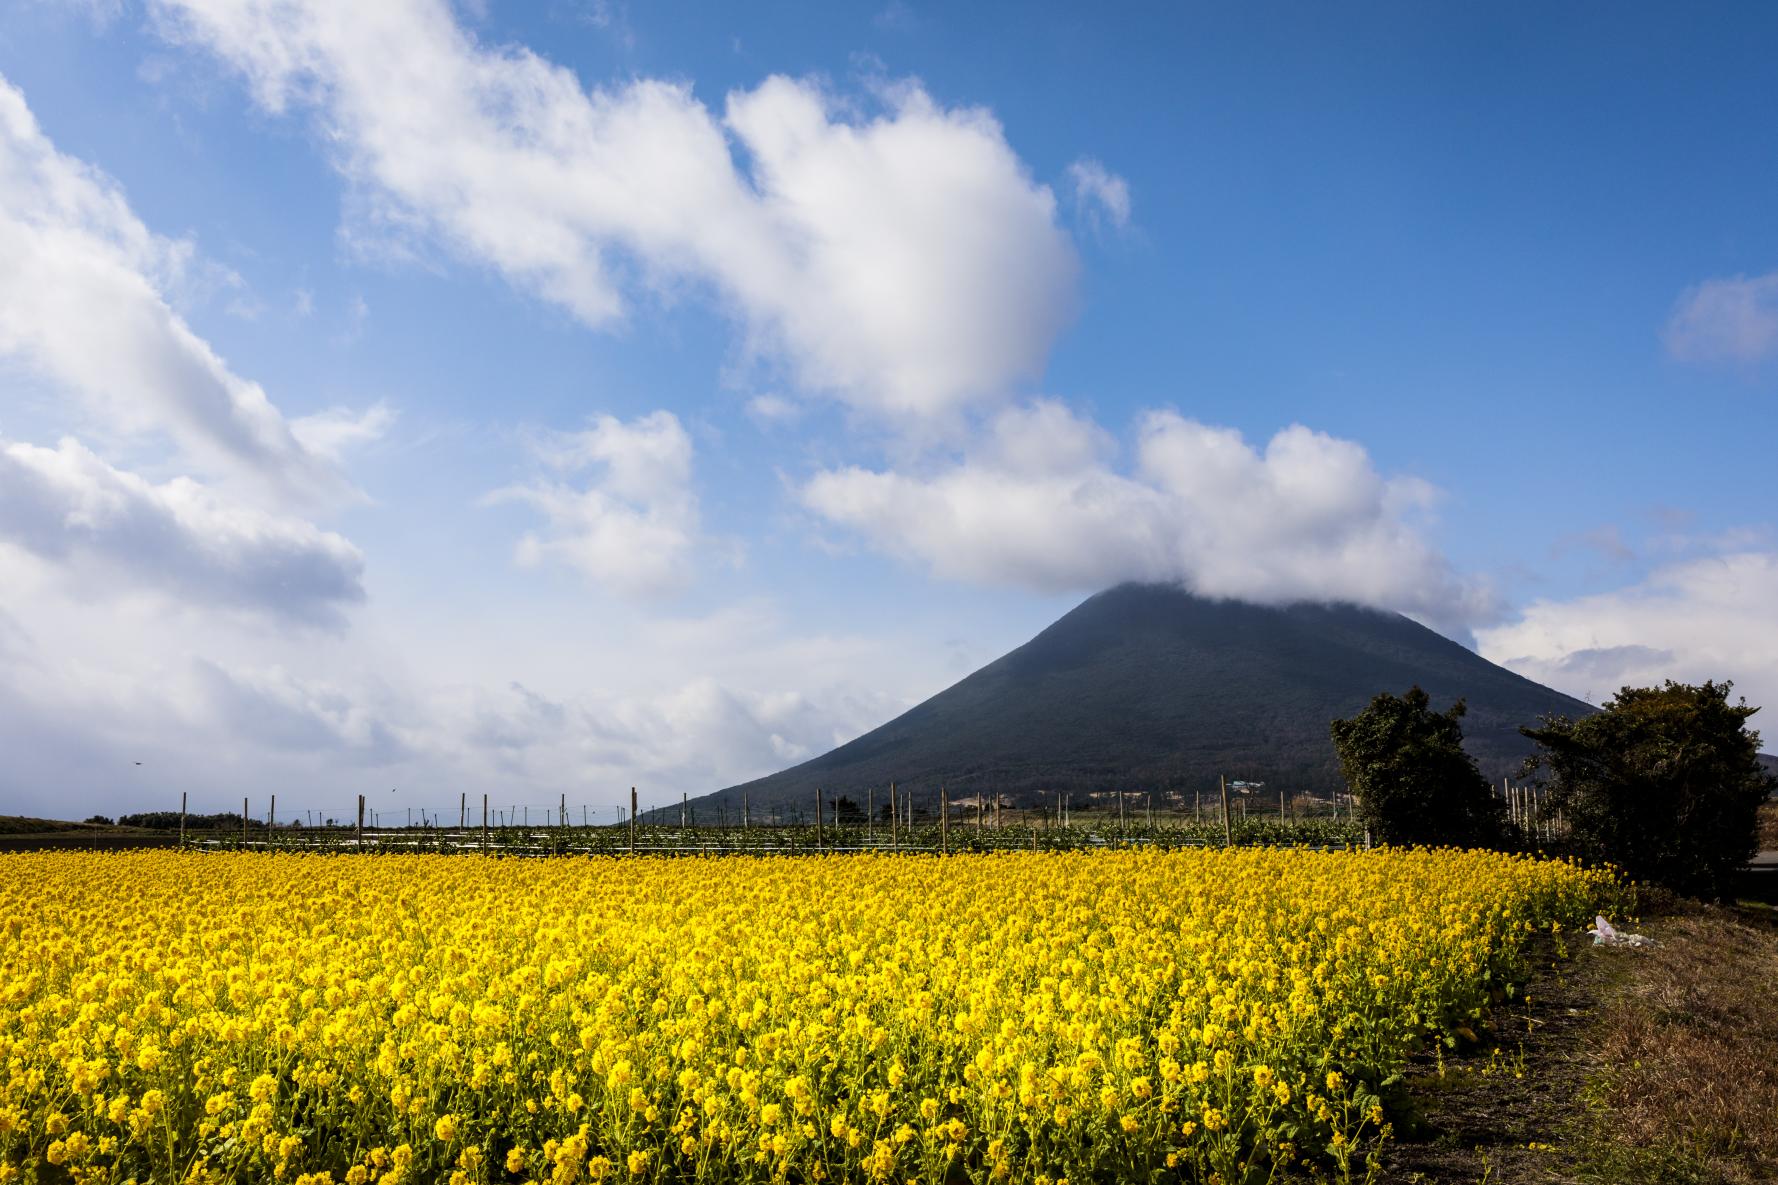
(1414, 783)
(1664, 782)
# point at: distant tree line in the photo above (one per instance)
(1664, 782)
(169, 821)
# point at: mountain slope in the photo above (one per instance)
(1150, 687)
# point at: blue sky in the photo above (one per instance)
(660, 394)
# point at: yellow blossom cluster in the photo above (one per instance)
(1101, 1016)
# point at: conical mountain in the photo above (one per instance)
(1148, 687)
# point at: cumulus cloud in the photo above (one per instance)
(1705, 618)
(83, 303)
(1102, 194)
(904, 262)
(118, 532)
(1733, 319)
(279, 709)
(1040, 502)
(698, 734)
(220, 706)
(633, 526)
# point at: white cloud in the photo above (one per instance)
(1103, 195)
(772, 409)
(115, 533)
(339, 430)
(1038, 503)
(695, 734)
(83, 302)
(905, 263)
(634, 525)
(1708, 618)
(896, 17)
(522, 708)
(1726, 320)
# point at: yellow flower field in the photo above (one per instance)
(1109, 1016)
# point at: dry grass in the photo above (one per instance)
(1687, 1087)
(1630, 1067)
(1768, 826)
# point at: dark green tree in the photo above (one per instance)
(1414, 782)
(1664, 782)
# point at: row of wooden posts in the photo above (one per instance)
(1529, 810)
(1526, 806)
(901, 812)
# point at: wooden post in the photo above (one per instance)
(562, 811)
(271, 815)
(746, 818)
(818, 812)
(1228, 837)
(1033, 837)
(1151, 810)
(632, 820)
(243, 822)
(894, 815)
(182, 795)
(944, 820)
(684, 809)
(462, 809)
(1123, 829)
(870, 813)
(361, 820)
(484, 824)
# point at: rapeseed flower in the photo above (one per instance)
(1037, 1017)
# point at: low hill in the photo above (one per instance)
(24, 825)
(1148, 687)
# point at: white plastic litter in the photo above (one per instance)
(1605, 934)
